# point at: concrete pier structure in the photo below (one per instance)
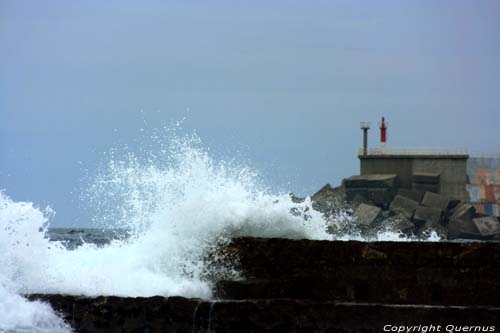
(444, 170)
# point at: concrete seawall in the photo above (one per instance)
(317, 286)
(438, 273)
(452, 170)
(178, 314)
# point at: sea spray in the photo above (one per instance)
(24, 247)
(177, 203)
(177, 208)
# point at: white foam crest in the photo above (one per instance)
(178, 207)
(23, 248)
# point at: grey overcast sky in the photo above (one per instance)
(284, 82)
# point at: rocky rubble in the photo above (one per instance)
(377, 203)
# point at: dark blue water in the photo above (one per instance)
(74, 237)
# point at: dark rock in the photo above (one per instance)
(435, 200)
(296, 199)
(443, 273)
(411, 194)
(430, 215)
(372, 181)
(462, 228)
(453, 203)
(380, 197)
(328, 199)
(366, 214)
(403, 206)
(426, 178)
(487, 226)
(463, 211)
(325, 193)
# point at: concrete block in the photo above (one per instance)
(463, 211)
(452, 170)
(400, 223)
(428, 227)
(372, 181)
(403, 206)
(328, 199)
(487, 226)
(366, 214)
(410, 194)
(427, 215)
(462, 228)
(425, 187)
(452, 204)
(377, 196)
(426, 178)
(435, 200)
(324, 192)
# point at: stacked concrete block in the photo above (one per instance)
(461, 223)
(403, 206)
(429, 215)
(379, 202)
(411, 194)
(376, 189)
(436, 201)
(426, 182)
(366, 214)
(487, 225)
(452, 170)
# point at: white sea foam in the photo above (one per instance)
(178, 203)
(177, 207)
(23, 250)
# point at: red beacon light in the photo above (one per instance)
(383, 132)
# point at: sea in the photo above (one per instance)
(157, 214)
(72, 238)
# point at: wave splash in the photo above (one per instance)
(177, 203)
(177, 206)
(24, 248)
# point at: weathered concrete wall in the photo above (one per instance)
(316, 286)
(452, 170)
(398, 166)
(453, 174)
(439, 273)
(177, 314)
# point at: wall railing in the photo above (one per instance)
(482, 154)
(415, 151)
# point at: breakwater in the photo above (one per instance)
(318, 286)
